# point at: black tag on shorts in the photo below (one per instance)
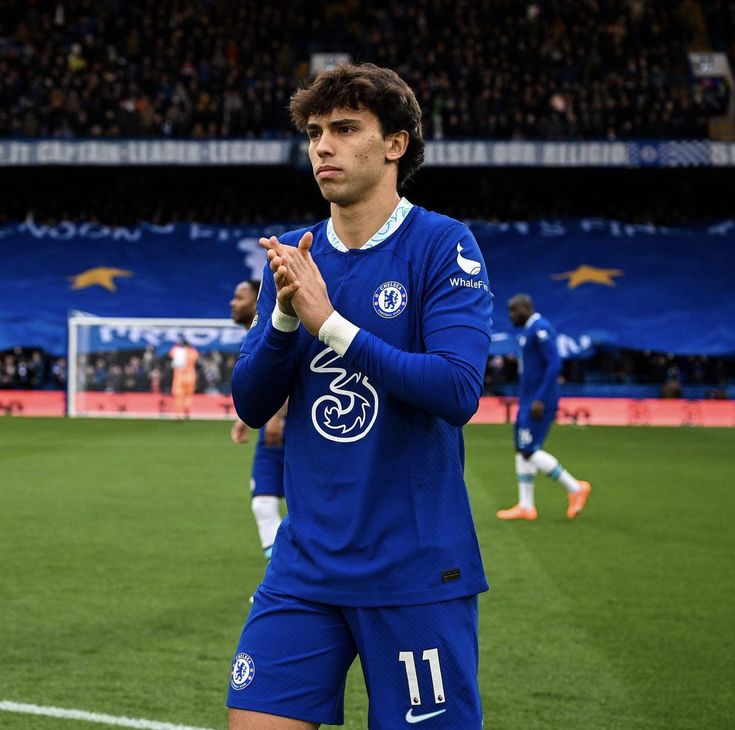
(450, 575)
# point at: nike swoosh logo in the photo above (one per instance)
(413, 719)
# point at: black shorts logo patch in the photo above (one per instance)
(450, 575)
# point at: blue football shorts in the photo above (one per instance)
(267, 474)
(419, 662)
(529, 433)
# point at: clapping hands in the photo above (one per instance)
(301, 290)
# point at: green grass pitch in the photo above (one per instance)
(128, 551)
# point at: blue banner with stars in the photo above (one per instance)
(600, 282)
(607, 283)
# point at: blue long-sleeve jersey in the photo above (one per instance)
(378, 511)
(539, 362)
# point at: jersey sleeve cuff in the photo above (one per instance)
(338, 333)
(283, 322)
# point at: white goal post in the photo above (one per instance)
(121, 367)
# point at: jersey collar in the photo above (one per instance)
(533, 318)
(388, 228)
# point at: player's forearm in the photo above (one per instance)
(444, 382)
(256, 393)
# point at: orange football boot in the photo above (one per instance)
(578, 499)
(517, 513)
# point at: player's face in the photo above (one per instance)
(518, 314)
(347, 150)
(243, 304)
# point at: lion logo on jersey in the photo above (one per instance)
(348, 411)
(243, 671)
(390, 299)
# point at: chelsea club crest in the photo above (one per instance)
(243, 671)
(390, 299)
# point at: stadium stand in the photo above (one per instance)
(613, 372)
(490, 69)
(720, 18)
(242, 195)
(580, 69)
(500, 69)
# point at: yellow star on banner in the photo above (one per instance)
(99, 276)
(584, 274)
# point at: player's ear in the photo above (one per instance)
(396, 145)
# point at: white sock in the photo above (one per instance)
(267, 519)
(526, 472)
(550, 466)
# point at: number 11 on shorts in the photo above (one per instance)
(431, 656)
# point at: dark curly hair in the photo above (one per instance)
(371, 87)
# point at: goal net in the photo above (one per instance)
(125, 368)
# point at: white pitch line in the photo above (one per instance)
(100, 718)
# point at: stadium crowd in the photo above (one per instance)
(504, 69)
(25, 369)
(577, 69)
(673, 376)
(148, 371)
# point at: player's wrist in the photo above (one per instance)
(283, 322)
(338, 333)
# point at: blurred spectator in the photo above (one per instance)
(211, 366)
(8, 372)
(671, 376)
(113, 383)
(59, 373)
(500, 371)
(589, 69)
(719, 392)
(36, 370)
(672, 384)
(147, 371)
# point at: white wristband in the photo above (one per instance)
(338, 333)
(283, 322)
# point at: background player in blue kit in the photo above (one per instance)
(539, 366)
(376, 324)
(266, 482)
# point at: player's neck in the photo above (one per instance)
(357, 223)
